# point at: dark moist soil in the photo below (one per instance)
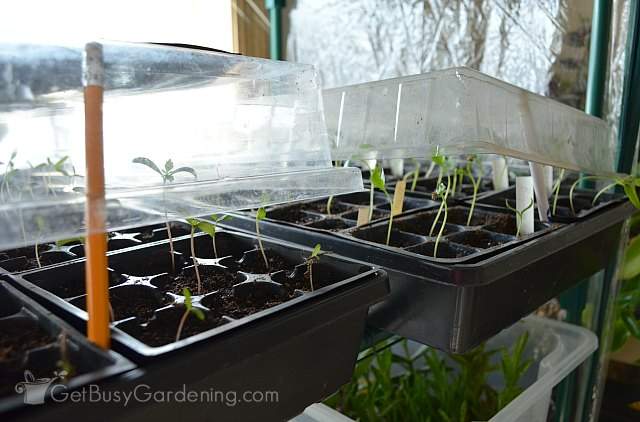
(380, 236)
(331, 224)
(337, 207)
(253, 262)
(476, 239)
(460, 215)
(445, 250)
(32, 263)
(422, 225)
(292, 214)
(227, 304)
(502, 223)
(68, 289)
(163, 330)
(19, 336)
(138, 305)
(213, 278)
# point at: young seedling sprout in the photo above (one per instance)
(194, 223)
(475, 182)
(188, 309)
(443, 163)
(415, 173)
(65, 367)
(377, 181)
(441, 192)
(168, 176)
(312, 259)
(556, 191)
(519, 214)
(211, 228)
(41, 226)
(261, 214)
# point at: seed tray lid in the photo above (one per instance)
(251, 130)
(463, 111)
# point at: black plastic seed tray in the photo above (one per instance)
(263, 329)
(455, 303)
(343, 211)
(582, 202)
(24, 259)
(31, 345)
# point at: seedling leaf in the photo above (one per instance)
(147, 162)
(168, 165)
(316, 251)
(261, 214)
(189, 170)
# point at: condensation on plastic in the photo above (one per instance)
(463, 111)
(556, 348)
(252, 129)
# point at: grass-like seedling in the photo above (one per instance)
(168, 176)
(441, 192)
(312, 259)
(474, 181)
(556, 191)
(519, 214)
(9, 171)
(188, 309)
(377, 181)
(65, 368)
(629, 184)
(261, 214)
(429, 386)
(195, 223)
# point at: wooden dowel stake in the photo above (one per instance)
(96, 242)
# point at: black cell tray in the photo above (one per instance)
(454, 304)
(24, 259)
(92, 365)
(303, 349)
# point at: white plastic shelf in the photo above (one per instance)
(252, 129)
(463, 111)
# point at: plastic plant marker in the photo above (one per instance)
(548, 177)
(97, 283)
(500, 173)
(524, 204)
(397, 166)
(189, 309)
(261, 214)
(363, 216)
(398, 197)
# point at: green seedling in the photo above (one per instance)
(168, 176)
(9, 171)
(441, 192)
(312, 259)
(377, 181)
(519, 214)
(394, 384)
(188, 309)
(556, 191)
(443, 167)
(371, 191)
(415, 173)
(194, 223)
(65, 242)
(210, 228)
(41, 226)
(261, 214)
(65, 368)
(474, 181)
(628, 184)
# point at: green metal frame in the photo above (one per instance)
(591, 302)
(275, 32)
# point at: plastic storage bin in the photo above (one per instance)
(557, 349)
(251, 131)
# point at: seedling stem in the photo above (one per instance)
(519, 214)
(261, 214)
(189, 309)
(443, 196)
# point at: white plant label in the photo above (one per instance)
(500, 173)
(524, 196)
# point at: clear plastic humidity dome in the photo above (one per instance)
(244, 132)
